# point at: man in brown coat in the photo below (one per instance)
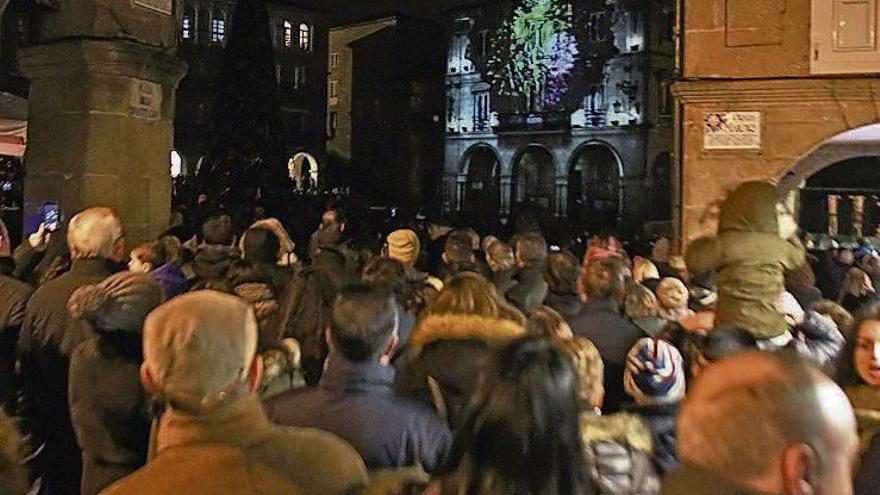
(200, 357)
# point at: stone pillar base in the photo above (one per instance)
(100, 129)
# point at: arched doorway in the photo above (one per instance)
(303, 171)
(835, 189)
(176, 164)
(481, 169)
(594, 187)
(661, 188)
(534, 178)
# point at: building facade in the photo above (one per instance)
(385, 109)
(779, 90)
(576, 120)
(300, 39)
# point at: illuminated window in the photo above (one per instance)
(187, 24)
(287, 34)
(218, 27)
(299, 77)
(176, 164)
(334, 60)
(305, 37)
(333, 89)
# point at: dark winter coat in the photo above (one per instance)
(867, 478)
(504, 280)
(568, 305)
(661, 420)
(530, 289)
(617, 449)
(212, 263)
(109, 408)
(303, 314)
(449, 350)
(14, 296)
(47, 340)
(356, 402)
(600, 322)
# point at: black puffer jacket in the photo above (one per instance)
(618, 455)
(530, 289)
(47, 340)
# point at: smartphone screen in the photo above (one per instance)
(51, 216)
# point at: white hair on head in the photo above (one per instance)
(93, 233)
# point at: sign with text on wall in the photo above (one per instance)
(160, 6)
(145, 99)
(732, 131)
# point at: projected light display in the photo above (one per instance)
(534, 51)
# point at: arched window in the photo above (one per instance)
(188, 24)
(287, 34)
(305, 37)
(218, 27)
(176, 164)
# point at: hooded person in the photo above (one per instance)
(217, 254)
(200, 358)
(655, 379)
(108, 405)
(750, 253)
(404, 246)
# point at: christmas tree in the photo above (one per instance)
(245, 159)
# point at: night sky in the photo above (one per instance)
(353, 10)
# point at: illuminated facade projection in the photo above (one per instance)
(563, 106)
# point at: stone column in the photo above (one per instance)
(506, 194)
(100, 129)
(561, 196)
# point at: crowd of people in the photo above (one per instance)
(439, 361)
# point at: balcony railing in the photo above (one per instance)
(537, 121)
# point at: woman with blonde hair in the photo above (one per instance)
(545, 322)
(643, 309)
(458, 330)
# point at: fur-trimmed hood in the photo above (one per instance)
(435, 328)
(622, 428)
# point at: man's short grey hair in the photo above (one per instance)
(742, 430)
(93, 233)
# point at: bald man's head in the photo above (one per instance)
(747, 412)
(95, 233)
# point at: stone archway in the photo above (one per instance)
(534, 177)
(835, 188)
(480, 182)
(303, 171)
(594, 186)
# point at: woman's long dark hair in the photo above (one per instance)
(846, 373)
(520, 434)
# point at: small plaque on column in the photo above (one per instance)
(145, 100)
